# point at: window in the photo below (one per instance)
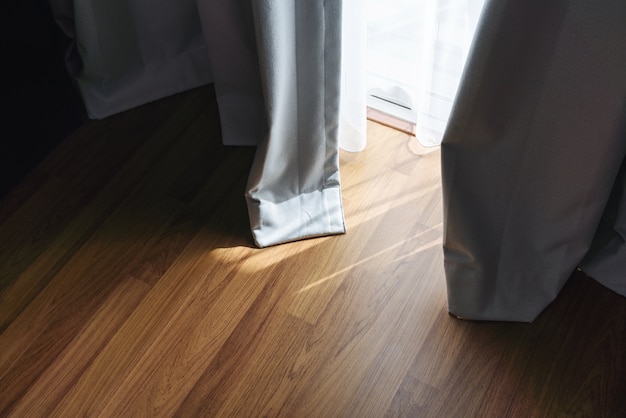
(416, 51)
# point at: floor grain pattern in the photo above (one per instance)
(130, 286)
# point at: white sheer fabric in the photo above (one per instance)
(416, 54)
(353, 120)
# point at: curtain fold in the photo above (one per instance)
(416, 53)
(229, 33)
(606, 260)
(531, 154)
(293, 188)
(277, 67)
(129, 52)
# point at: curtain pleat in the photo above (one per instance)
(129, 52)
(276, 68)
(353, 104)
(293, 188)
(229, 32)
(532, 153)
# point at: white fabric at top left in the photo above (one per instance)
(129, 52)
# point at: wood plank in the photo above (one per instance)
(131, 287)
(62, 374)
(29, 275)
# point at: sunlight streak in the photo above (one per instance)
(419, 249)
(427, 246)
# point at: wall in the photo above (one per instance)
(40, 105)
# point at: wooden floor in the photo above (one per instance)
(130, 287)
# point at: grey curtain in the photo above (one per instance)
(289, 55)
(276, 69)
(533, 158)
(127, 53)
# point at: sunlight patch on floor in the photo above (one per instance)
(393, 248)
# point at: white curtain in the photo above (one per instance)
(293, 188)
(531, 158)
(352, 127)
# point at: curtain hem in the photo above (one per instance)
(298, 218)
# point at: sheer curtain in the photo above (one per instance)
(352, 128)
(415, 57)
(293, 188)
